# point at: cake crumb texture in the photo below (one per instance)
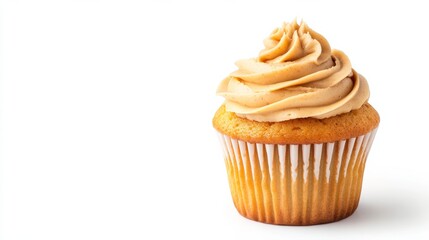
(298, 131)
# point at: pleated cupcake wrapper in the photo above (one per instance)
(296, 184)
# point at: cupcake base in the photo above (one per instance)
(296, 184)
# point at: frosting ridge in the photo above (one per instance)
(296, 75)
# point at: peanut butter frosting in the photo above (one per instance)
(297, 75)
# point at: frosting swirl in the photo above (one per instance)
(297, 75)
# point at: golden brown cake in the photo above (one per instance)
(296, 129)
(266, 185)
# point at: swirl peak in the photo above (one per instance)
(293, 41)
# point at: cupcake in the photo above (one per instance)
(296, 129)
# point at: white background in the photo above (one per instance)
(106, 111)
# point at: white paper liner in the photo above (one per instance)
(296, 184)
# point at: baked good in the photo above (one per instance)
(296, 129)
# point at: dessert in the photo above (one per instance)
(296, 129)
